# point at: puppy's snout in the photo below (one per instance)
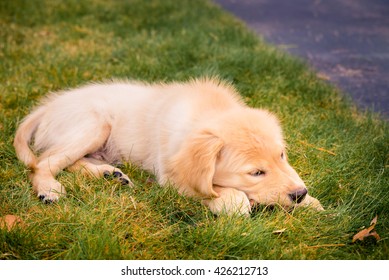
(299, 195)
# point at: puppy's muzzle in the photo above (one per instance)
(299, 195)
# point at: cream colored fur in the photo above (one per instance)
(198, 135)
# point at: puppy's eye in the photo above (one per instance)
(257, 173)
(282, 155)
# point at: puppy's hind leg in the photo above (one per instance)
(98, 168)
(57, 158)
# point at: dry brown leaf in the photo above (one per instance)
(10, 221)
(374, 221)
(361, 235)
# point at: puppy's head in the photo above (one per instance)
(253, 160)
(243, 150)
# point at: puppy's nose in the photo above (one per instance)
(299, 195)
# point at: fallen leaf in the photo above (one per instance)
(374, 221)
(10, 221)
(361, 235)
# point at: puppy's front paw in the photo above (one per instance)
(312, 202)
(229, 202)
(51, 194)
(48, 198)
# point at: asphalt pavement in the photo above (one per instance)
(346, 41)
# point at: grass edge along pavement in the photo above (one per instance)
(341, 153)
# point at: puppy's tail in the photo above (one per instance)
(23, 137)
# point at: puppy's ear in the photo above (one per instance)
(193, 167)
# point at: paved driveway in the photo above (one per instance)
(347, 41)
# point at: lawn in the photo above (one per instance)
(340, 152)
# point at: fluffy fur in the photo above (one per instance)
(199, 136)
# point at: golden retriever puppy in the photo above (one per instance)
(199, 136)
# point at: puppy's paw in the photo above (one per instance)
(229, 202)
(51, 194)
(48, 198)
(312, 202)
(119, 176)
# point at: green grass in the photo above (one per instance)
(54, 44)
